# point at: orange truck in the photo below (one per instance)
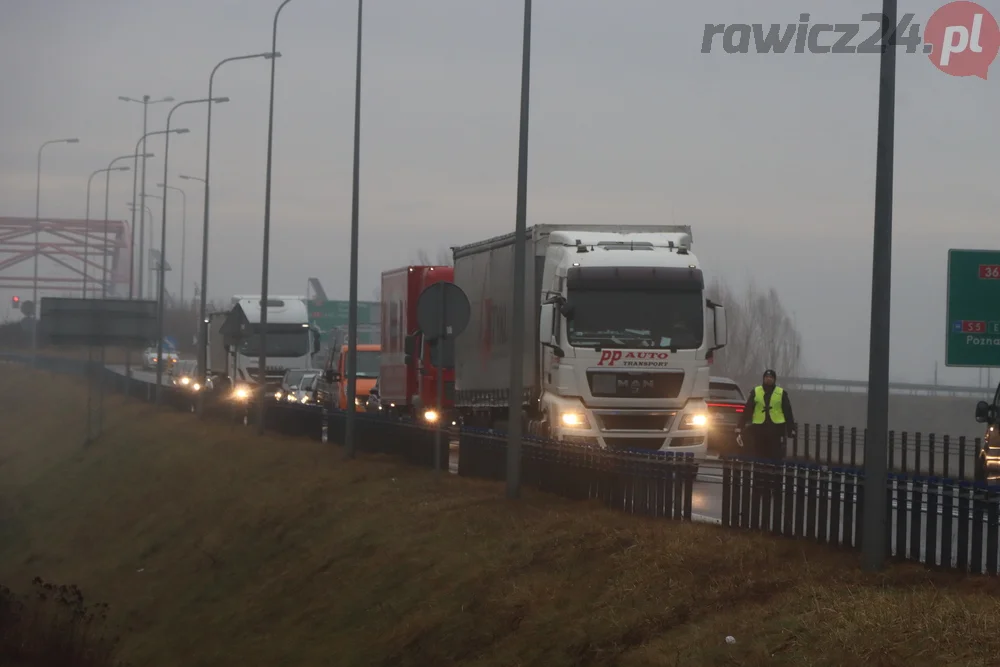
(332, 389)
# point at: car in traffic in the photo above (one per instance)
(298, 386)
(726, 402)
(149, 358)
(987, 464)
(184, 375)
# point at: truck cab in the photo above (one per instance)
(331, 390)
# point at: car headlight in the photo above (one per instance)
(196, 387)
(694, 420)
(357, 400)
(431, 415)
(305, 399)
(574, 420)
(185, 381)
(277, 395)
(241, 393)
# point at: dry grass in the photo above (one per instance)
(214, 546)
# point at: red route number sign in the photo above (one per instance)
(973, 326)
(989, 272)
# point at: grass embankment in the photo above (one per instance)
(214, 546)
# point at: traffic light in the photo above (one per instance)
(15, 302)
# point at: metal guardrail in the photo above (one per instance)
(898, 388)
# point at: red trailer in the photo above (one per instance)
(410, 388)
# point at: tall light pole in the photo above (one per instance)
(184, 218)
(38, 222)
(145, 102)
(141, 207)
(153, 270)
(163, 239)
(104, 278)
(874, 528)
(352, 312)
(202, 314)
(517, 321)
(262, 362)
(86, 231)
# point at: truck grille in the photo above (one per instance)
(633, 422)
(634, 443)
(623, 384)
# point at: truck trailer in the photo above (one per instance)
(619, 336)
(407, 377)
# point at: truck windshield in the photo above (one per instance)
(279, 344)
(636, 318)
(368, 363)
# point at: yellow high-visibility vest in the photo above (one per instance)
(774, 406)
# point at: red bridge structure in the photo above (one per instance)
(65, 242)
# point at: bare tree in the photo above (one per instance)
(442, 257)
(762, 334)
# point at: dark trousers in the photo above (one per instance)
(767, 441)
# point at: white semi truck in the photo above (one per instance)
(291, 341)
(619, 336)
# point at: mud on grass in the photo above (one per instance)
(215, 546)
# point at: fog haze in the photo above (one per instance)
(770, 158)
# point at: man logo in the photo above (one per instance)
(633, 386)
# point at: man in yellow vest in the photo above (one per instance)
(771, 419)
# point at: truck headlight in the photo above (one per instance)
(431, 415)
(694, 420)
(574, 420)
(241, 393)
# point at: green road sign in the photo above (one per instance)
(973, 333)
(332, 314)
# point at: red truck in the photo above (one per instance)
(407, 378)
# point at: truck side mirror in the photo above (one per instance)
(983, 412)
(331, 376)
(409, 343)
(721, 329)
(567, 310)
(545, 318)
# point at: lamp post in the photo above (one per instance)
(163, 239)
(104, 276)
(141, 207)
(152, 248)
(107, 194)
(202, 315)
(518, 324)
(86, 229)
(184, 217)
(874, 526)
(352, 311)
(38, 222)
(262, 362)
(145, 102)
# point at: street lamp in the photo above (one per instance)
(518, 324)
(145, 102)
(184, 217)
(202, 319)
(262, 362)
(352, 311)
(874, 526)
(163, 238)
(142, 207)
(86, 229)
(107, 193)
(38, 222)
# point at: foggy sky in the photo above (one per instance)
(770, 158)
